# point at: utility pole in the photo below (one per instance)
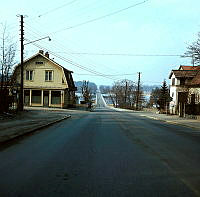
(21, 96)
(125, 97)
(138, 91)
(3, 56)
(193, 59)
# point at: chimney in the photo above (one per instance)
(47, 54)
(41, 51)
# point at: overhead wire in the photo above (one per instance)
(59, 45)
(108, 75)
(73, 63)
(120, 54)
(109, 54)
(126, 54)
(99, 18)
(57, 8)
(112, 13)
(87, 9)
(96, 74)
(71, 14)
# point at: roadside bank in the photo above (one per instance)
(28, 121)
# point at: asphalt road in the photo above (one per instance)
(103, 153)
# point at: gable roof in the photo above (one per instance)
(193, 74)
(69, 79)
(47, 58)
(189, 68)
(196, 79)
(67, 73)
(183, 73)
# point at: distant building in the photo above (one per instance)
(46, 83)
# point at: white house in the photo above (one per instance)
(184, 88)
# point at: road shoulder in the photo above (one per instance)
(28, 122)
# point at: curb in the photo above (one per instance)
(183, 125)
(171, 122)
(29, 131)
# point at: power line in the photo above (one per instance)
(125, 54)
(107, 75)
(88, 8)
(153, 82)
(114, 54)
(138, 91)
(75, 64)
(53, 10)
(101, 17)
(58, 45)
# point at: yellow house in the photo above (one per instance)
(46, 83)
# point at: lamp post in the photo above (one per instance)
(21, 96)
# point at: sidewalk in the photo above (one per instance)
(29, 121)
(172, 119)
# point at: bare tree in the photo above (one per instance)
(193, 50)
(124, 93)
(155, 95)
(86, 92)
(7, 55)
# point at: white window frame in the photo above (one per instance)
(47, 77)
(29, 77)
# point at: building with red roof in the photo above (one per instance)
(184, 89)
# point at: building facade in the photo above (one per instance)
(46, 83)
(184, 89)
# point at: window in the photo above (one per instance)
(172, 94)
(36, 96)
(182, 81)
(55, 97)
(29, 75)
(173, 81)
(48, 75)
(39, 62)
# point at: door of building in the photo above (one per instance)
(46, 98)
(26, 97)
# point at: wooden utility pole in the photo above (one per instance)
(21, 96)
(138, 91)
(125, 97)
(3, 57)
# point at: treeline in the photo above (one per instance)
(146, 88)
(7, 61)
(160, 98)
(90, 85)
(124, 94)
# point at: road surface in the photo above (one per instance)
(100, 102)
(103, 153)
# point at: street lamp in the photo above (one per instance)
(38, 40)
(21, 97)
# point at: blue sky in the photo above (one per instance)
(156, 27)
